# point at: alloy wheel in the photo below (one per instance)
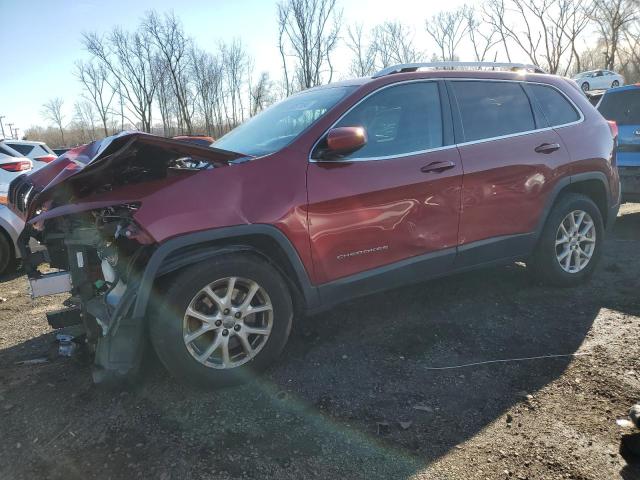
(228, 322)
(575, 241)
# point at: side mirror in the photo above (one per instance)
(345, 140)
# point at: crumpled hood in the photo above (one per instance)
(112, 160)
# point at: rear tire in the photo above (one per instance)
(615, 84)
(7, 254)
(585, 86)
(230, 351)
(564, 257)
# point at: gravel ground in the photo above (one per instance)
(357, 393)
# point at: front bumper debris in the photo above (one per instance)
(50, 284)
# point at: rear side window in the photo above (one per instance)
(555, 107)
(398, 120)
(22, 148)
(39, 150)
(622, 107)
(492, 109)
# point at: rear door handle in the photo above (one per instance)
(437, 167)
(547, 148)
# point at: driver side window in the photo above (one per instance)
(401, 119)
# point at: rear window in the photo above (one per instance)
(622, 107)
(492, 109)
(21, 148)
(8, 151)
(555, 107)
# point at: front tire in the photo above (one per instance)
(570, 245)
(585, 86)
(615, 84)
(7, 254)
(222, 321)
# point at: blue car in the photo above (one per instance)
(622, 105)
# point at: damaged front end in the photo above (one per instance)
(83, 210)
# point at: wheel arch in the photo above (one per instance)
(593, 185)
(264, 241)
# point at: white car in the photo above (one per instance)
(12, 165)
(598, 80)
(10, 227)
(38, 152)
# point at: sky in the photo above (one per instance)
(41, 39)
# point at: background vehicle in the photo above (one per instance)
(598, 79)
(336, 192)
(594, 96)
(10, 227)
(198, 139)
(12, 164)
(38, 152)
(60, 151)
(622, 105)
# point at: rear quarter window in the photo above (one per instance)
(492, 109)
(621, 107)
(554, 105)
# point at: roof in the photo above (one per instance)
(633, 86)
(23, 142)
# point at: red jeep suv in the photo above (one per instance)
(334, 193)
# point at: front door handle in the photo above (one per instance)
(547, 148)
(437, 167)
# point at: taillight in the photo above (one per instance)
(46, 158)
(613, 126)
(19, 166)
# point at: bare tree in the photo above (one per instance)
(173, 46)
(579, 19)
(612, 17)
(308, 35)
(261, 94)
(537, 27)
(52, 111)
(94, 78)
(494, 14)
(447, 30)
(207, 79)
(235, 63)
(85, 117)
(364, 53)
(130, 58)
(482, 34)
(393, 43)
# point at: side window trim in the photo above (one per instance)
(448, 139)
(454, 131)
(460, 139)
(538, 114)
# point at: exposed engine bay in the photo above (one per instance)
(94, 245)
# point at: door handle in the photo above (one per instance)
(547, 148)
(437, 167)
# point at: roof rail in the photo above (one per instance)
(412, 67)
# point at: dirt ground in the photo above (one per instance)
(357, 393)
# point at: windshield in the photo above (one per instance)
(280, 124)
(621, 107)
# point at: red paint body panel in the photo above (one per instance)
(505, 185)
(389, 205)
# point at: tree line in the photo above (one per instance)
(156, 79)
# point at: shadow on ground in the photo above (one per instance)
(334, 404)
